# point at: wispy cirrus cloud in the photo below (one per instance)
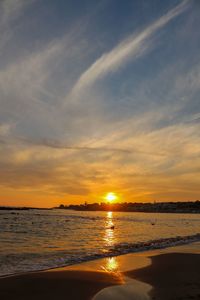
(10, 10)
(130, 48)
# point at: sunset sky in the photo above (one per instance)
(99, 97)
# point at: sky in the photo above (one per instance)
(99, 97)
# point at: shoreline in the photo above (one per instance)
(105, 278)
(140, 247)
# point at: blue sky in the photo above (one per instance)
(99, 97)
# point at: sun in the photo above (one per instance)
(110, 197)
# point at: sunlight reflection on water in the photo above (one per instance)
(109, 237)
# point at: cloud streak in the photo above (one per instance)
(55, 144)
(130, 48)
(10, 10)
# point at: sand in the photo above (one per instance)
(55, 285)
(173, 276)
(167, 274)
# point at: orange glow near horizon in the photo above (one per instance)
(42, 198)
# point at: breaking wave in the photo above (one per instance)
(36, 262)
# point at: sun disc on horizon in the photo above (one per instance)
(110, 197)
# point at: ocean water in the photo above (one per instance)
(41, 239)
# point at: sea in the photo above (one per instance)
(33, 240)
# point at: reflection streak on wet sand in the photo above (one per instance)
(129, 288)
(112, 266)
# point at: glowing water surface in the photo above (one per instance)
(39, 239)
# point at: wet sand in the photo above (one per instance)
(55, 285)
(166, 274)
(173, 276)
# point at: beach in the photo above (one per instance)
(99, 150)
(171, 273)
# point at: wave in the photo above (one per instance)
(65, 260)
(154, 244)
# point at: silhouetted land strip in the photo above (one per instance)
(20, 208)
(160, 207)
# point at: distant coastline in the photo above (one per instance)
(160, 207)
(21, 208)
